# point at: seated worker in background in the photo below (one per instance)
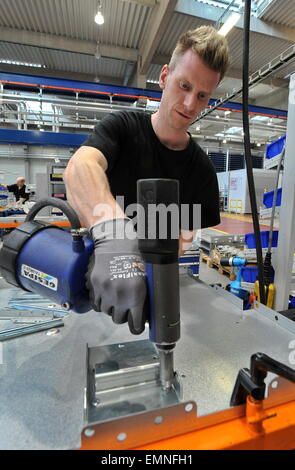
(130, 145)
(18, 189)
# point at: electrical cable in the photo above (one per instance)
(56, 203)
(247, 147)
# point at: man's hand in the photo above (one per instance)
(116, 276)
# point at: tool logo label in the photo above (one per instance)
(40, 278)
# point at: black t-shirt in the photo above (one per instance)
(133, 152)
(18, 192)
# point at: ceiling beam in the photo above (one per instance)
(51, 41)
(277, 82)
(212, 13)
(59, 74)
(155, 29)
(150, 3)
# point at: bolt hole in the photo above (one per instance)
(183, 376)
(276, 318)
(89, 432)
(121, 437)
(158, 419)
(188, 407)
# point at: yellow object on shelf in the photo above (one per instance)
(269, 291)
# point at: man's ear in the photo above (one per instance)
(163, 76)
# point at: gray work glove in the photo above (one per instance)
(116, 276)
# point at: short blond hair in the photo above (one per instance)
(210, 46)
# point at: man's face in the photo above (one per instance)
(20, 182)
(186, 90)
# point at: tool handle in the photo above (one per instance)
(58, 204)
(158, 220)
(158, 241)
(164, 303)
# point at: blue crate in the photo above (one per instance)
(250, 274)
(264, 237)
(7, 213)
(275, 148)
(268, 198)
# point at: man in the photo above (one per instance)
(128, 146)
(18, 189)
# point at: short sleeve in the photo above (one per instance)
(11, 187)
(108, 136)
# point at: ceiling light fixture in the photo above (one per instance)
(229, 24)
(99, 19)
(24, 64)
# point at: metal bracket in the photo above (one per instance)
(154, 425)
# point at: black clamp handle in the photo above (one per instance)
(251, 382)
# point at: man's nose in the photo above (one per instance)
(190, 103)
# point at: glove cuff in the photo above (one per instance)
(119, 229)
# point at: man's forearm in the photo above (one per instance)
(88, 189)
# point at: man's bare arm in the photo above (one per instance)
(185, 240)
(88, 190)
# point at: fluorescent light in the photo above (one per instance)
(259, 118)
(224, 141)
(25, 64)
(153, 81)
(233, 130)
(99, 19)
(229, 24)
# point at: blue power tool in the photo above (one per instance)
(45, 259)
(235, 286)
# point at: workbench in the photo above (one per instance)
(43, 378)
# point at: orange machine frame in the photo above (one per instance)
(257, 425)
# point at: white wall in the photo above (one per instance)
(223, 180)
(27, 161)
(264, 181)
